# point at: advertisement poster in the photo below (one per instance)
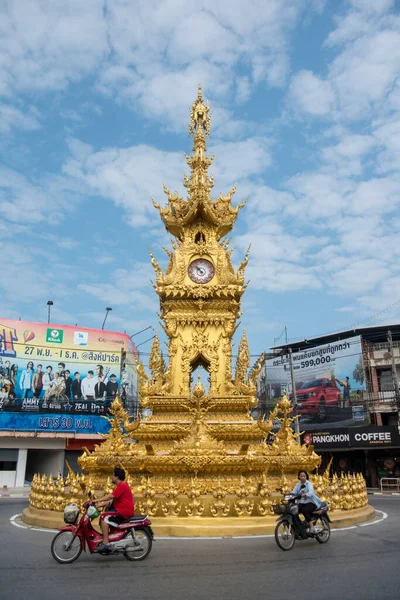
(330, 385)
(50, 369)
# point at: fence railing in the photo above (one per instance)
(390, 484)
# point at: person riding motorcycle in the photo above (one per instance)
(308, 502)
(123, 507)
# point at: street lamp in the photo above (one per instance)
(141, 331)
(105, 318)
(145, 341)
(49, 304)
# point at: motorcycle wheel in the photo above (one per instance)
(143, 543)
(325, 533)
(59, 546)
(284, 535)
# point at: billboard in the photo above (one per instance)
(55, 370)
(330, 384)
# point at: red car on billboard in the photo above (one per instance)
(316, 397)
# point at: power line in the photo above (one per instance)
(346, 328)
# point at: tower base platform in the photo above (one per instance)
(206, 526)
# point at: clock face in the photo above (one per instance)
(201, 270)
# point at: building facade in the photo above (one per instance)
(358, 390)
(56, 385)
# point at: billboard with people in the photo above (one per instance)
(330, 385)
(49, 368)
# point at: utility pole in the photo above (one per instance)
(394, 374)
(294, 397)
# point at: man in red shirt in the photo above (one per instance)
(123, 507)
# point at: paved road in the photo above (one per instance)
(357, 564)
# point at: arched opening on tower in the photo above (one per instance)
(200, 238)
(201, 367)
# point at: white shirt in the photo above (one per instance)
(88, 386)
(47, 378)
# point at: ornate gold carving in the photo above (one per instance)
(199, 115)
(242, 365)
(244, 506)
(195, 507)
(171, 507)
(264, 506)
(149, 506)
(219, 508)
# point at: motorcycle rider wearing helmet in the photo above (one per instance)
(308, 502)
(123, 507)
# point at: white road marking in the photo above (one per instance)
(222, 537)
(13, 522)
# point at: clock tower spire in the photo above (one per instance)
(200, 291)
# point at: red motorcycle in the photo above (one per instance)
(133, 538)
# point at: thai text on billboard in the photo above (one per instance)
(51, 367)
(330, 385)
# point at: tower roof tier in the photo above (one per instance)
(180, 213)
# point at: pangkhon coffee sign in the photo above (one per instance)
(362, 437)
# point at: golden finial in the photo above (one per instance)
(242, 361)
(198, 390)
(199, 115)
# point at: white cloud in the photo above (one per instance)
(388, 136)
(239, 160)
(365, 72)
(243, 89)
(29, 202)
(148, 54)
(356, 275)
(372, 6)
(10, 117)
(129, 177)
(264, 199)
(46, 45)
(161, 51)
(347, 156)
(318, 195)
(216, 42)
(310, 94)
(128, 288)
(376, 196)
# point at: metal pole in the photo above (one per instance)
(105, 318)
(394, 374)
(49, 304)
(294, 396)
(141, 331)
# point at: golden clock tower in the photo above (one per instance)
(200, 294)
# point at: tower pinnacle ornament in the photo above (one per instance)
(199, 115)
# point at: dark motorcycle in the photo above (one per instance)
(289, 526)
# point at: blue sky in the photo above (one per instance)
(94, 106)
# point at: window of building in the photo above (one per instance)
(8, 465)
